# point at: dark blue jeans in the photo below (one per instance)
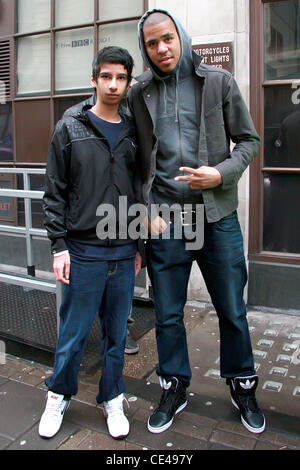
(222, 263)
(95, 286)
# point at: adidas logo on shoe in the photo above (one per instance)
(247, 385)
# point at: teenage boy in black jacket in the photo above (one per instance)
(91, 162)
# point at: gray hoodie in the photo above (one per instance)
(178, 120)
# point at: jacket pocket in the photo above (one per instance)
(215, 131)
(215, 109)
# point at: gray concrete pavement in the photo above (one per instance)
(209, 422)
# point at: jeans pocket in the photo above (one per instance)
(230, 223)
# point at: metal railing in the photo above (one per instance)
(29, 281)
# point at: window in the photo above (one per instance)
(275, 175)
(122, 34)
(282, 125)
(73, 12)
(6, 138)
(74, 52)
(55, 44)
(33, 65)
(57, 58)
(281, 213)
(33, 15)
(118, 9)
(282, 40)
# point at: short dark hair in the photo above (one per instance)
(112, 55)
(155, 18)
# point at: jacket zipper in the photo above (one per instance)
(180, 145)
(112, 160)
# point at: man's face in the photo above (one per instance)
(162, 45)
(112, 83)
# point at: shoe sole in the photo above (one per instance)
(247, 426)
(167, 425)
(132, 351)
(118, 438)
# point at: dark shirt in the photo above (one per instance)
(110, 130)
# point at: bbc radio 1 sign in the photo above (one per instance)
(218, 55)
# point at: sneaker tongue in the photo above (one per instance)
(246, 385)
(55, 397)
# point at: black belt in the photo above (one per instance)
(188, 217)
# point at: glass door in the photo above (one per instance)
(274, 207)
(281, 91)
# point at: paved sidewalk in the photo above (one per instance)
(209, 422)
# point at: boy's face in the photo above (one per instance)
(162, 44)
(112, 83)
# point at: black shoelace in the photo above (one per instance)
(248, 400)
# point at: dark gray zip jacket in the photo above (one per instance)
(189, 118)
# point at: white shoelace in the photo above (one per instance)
(55, 409)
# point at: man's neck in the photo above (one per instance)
(107, 113)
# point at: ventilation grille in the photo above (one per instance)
(5, 84)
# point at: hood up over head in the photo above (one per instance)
(185, 62)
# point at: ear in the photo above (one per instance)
(129, 85)
(93, 83)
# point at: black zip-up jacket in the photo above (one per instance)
(82, 173)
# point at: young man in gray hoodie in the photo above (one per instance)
(187, 114)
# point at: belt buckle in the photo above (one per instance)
(182, 217)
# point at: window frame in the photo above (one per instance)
(52, 96)
(257, 168)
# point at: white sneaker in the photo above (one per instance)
(117, 423)
(53, 415)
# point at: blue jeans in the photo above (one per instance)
(222, 263)
(105, 287)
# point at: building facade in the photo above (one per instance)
(46, 51)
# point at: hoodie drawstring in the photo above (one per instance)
(165, 96)
(176, 99)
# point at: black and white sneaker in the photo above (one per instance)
(242, 391)
(172, 401)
